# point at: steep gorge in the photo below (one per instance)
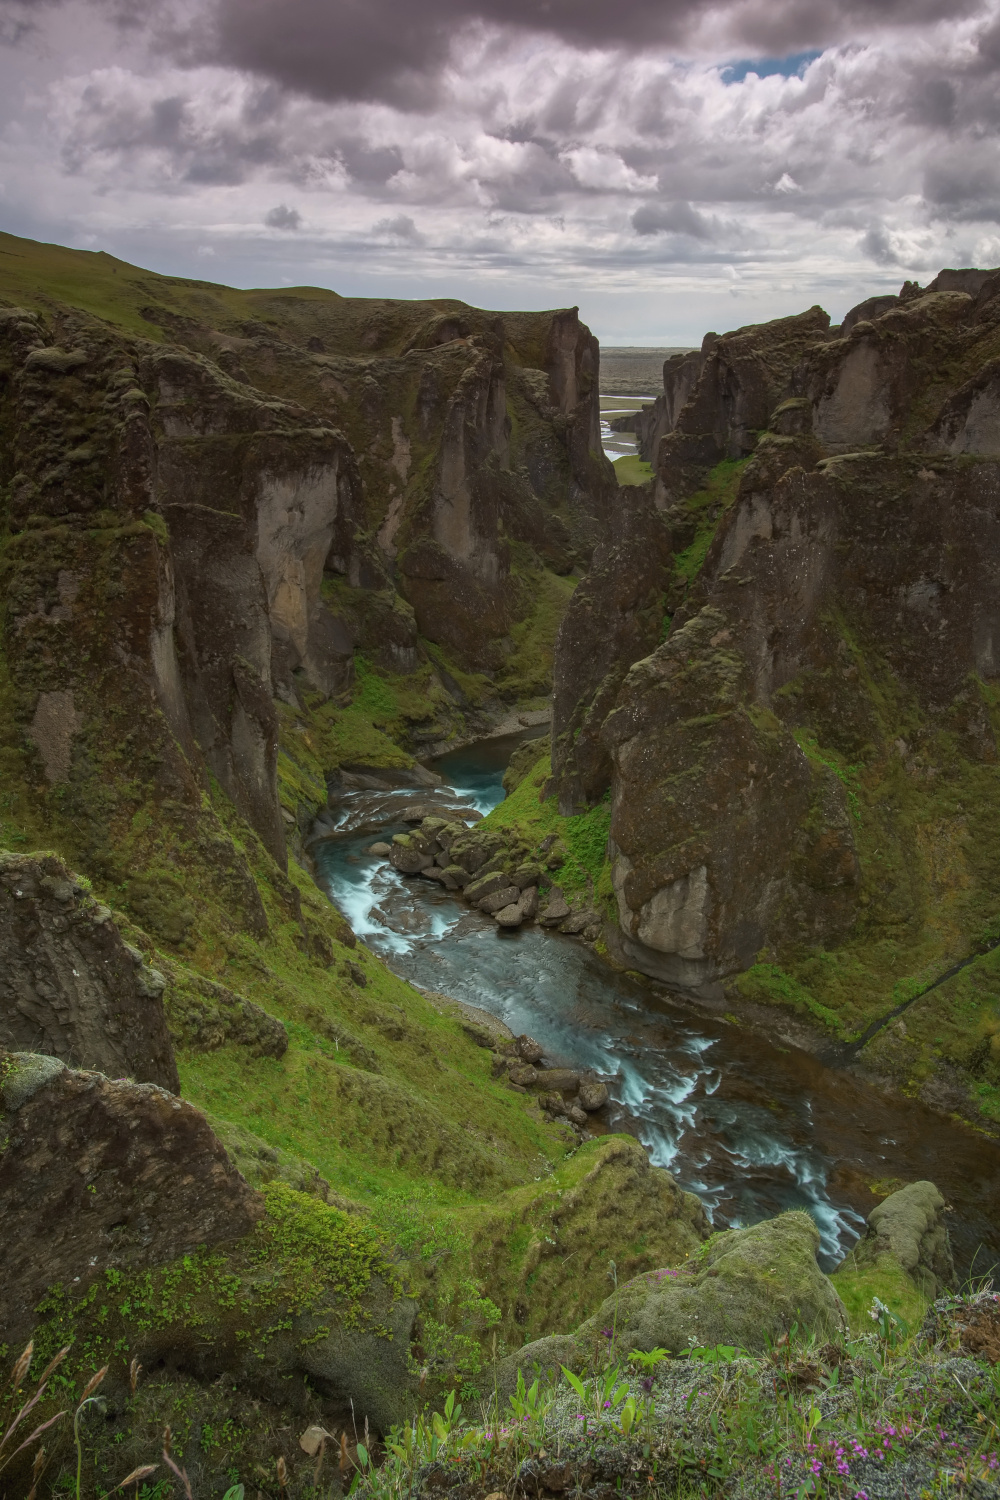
(258, 545)
(782, 671)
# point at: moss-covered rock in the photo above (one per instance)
(543, 1254)
(904, 1259)
(747, 1287)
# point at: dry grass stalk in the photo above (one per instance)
(36, 1472)
(21, 1367)
(136, 1477)
(93, 1383)
(181, 1473)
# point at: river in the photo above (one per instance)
(751, 1126)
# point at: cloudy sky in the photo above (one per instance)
(670, 165)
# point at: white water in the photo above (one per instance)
(686, 1091)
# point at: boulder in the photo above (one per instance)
(488, 885)
(566, 1080)
(382, 849)
(556, 911)
(529, 1049)
(909, 1228)
(592, 1096)
(455, 876)
(472, 855)
(96, 1172)
(586, 923)
(528, 903)
(509, 916)
(70, 986)
(407, 857)
(497, 900)
(526, 875)
(524, 1075)
(748, 1288)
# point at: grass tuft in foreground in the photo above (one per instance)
(885, 1413)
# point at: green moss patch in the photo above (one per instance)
(631, 469)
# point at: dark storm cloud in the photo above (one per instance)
(283, 217)
(396, 50)
(672, 218)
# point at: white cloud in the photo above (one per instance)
(541, 174)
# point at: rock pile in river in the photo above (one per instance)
(494, 870)
(479, 864)
(562, 1093)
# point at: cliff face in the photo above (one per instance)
(803, 771)
(215, 500)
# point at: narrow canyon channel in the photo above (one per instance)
(753, 1127)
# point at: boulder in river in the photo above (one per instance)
(529, 1049)
(565, 1080)
(529, 902)
(407, 857)
(493, 903)
(510, 915)
(556, 911)
(593, 1095)
(909, 1228)
(488, 885)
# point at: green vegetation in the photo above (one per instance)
(580, 842)
(631, 469)
(873, 1411)
(527, 673)
(704, 509)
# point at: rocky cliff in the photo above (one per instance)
(219, 506)
(786, 678)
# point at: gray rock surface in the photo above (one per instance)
(592, 1096)
(70, 987)
(495, 901)
(96, 1173)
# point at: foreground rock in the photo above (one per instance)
(909, 1229)
(97, 1173)
(127, 1227)
(747, 1288)
(69, 985)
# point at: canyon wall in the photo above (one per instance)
(215, 502)
(784, 671)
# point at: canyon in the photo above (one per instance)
(265, 552)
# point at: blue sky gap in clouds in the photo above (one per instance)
(792, 66)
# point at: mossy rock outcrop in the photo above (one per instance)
(904, 1259)
(543, 1254)
(746, 1288)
